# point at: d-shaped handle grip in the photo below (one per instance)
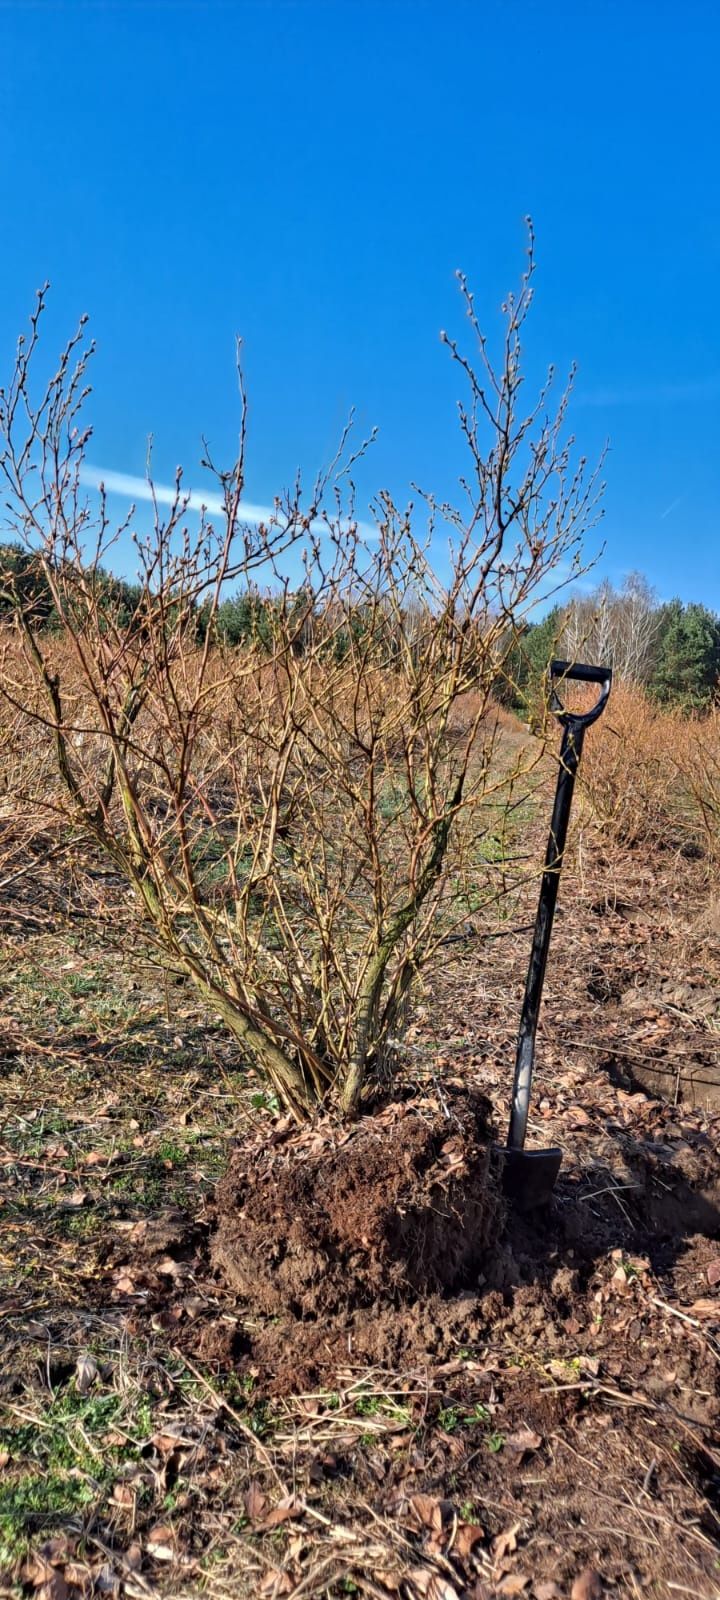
(577, 671)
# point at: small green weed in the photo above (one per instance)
(62, 1463)
(382, 1405)
(172, 1153)
(453, 1417)
(367, 1405)
(35, 1501)
(265, 1101)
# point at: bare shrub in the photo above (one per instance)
(26, 769)
(698, 761)
(296, 817)
(634, 772)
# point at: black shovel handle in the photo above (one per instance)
(574, 725)
(578, 671)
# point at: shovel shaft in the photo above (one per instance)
(570, 753)
(574, 724)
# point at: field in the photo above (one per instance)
(299, 580)
(551, 1432)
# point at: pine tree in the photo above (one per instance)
(687, 655)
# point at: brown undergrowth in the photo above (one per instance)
(652, 775)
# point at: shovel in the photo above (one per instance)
(529, 1175)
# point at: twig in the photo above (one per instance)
(224, 1405)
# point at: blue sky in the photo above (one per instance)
(311, 174)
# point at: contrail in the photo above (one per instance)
(123, 483)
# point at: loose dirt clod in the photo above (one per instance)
(388, 1242)
(399, 1205)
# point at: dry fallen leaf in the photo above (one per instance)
(79, 1574)
(255, 1502)
(514, 1583)
(123, 1494)
(546, 1591)
(86, 1372)
(468, 1535)
(704, 1308)
(285, 1509)
(166, 1443)
(524, 1441)
(275, 1583)
(162, 1542)
(506, 1542)
(713, 1273)
(58, 1548)
(426, 1512)
(171, 1269)
(587, 1586)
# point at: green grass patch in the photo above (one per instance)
(61, 1462)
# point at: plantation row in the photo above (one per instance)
(671, 649)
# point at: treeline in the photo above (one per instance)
(672, 649)
(23, 582)
(248, 617)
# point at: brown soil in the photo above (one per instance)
(390, 1242)
(561, 1371)
(332, 1220)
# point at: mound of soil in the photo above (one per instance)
(401, 1204)
(388, 1243)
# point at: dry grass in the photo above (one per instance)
(652, 775)
(700, 763)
